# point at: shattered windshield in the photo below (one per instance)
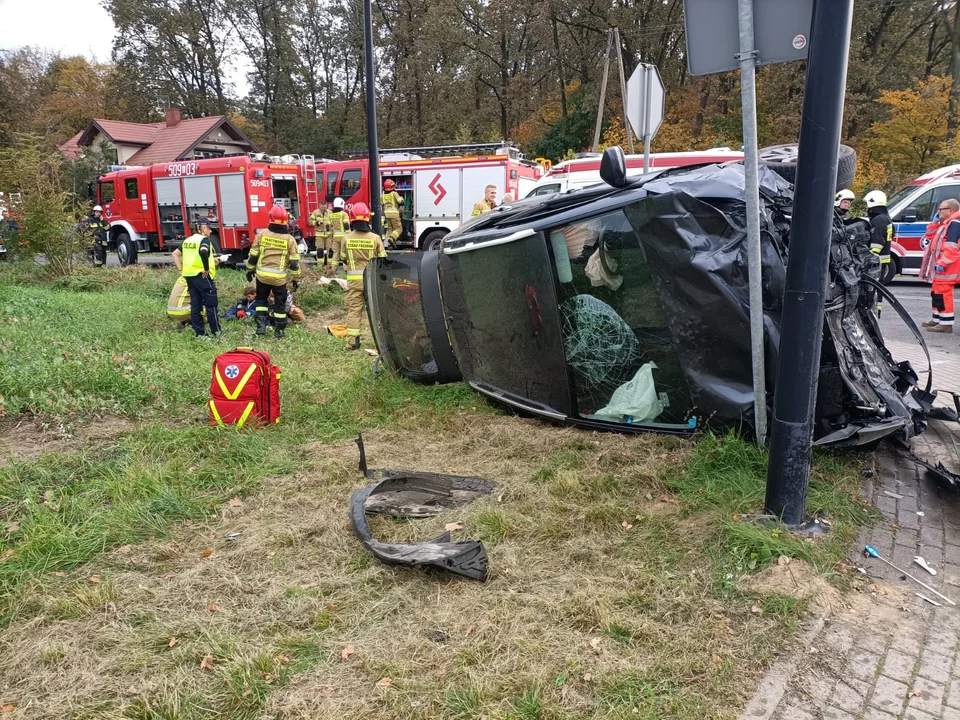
(624, 364)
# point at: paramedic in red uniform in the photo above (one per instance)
(941, 263)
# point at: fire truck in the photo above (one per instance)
(439, 184)
(153, 208)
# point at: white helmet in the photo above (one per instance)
(338, 203)
(97, 208)
(843, 195)
(875, 198)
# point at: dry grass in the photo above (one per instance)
(601, 603)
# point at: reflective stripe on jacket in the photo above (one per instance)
(392, 202)
(339, 223)
(178, 305)
(946, 253)
(274, 256)
(360, 248)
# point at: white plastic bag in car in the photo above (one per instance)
(599, 276)
(636, 399)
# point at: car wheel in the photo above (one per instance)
(433, 239)
(782, 159)
(126, 250)
(890, 270)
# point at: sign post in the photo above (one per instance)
(645, 106)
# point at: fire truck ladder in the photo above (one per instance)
(309, 165)
(494, 148)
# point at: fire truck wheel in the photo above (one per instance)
(126, 250)
(782, 159)
(433, 239)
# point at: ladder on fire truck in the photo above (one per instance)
(309, 165)
(495, 148)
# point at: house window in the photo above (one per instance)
(131, 188)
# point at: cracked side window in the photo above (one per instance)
(619, 350)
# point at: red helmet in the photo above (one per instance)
(388, 185)
(360, 212)
(278, 214)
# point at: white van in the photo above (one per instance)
(584, 171)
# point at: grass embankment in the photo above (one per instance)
(617, 563)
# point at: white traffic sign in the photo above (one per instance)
(645, 101)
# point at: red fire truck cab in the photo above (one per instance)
(154, 208)
(438, 192)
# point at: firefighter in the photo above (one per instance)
(392, 201)
(881, 233)
(273, 258)
(339, 226)
(488, 203)
(199, 268)
(320, 220)
(842, 201)
(98, 227)
(941, 263)
(360, 246)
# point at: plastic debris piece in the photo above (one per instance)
(233, 536)
(893, 495)
(932, 602)
(923, 563)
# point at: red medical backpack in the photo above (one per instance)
(245, 388)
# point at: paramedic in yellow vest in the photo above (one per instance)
(392, 201)
(360, 246)
(339, 226)
(320, 220)
(488, 203)
(274, 257)
(199, 269)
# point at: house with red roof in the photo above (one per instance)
(174, 139)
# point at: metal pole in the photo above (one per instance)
(372, 144)
(801, 330)
(603, 95)
(748, 94)
(623, 90)
(648, 92)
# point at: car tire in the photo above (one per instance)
(126, 250)
(433, 239)
(890, 270)
(782, 159)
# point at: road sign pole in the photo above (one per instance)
(788, 472)
(748, 94)
(623, 90)
(372, 143)
(647, 110)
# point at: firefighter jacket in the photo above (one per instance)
(881, 232)
(274, 256)
(194, 249)
(481, 207)
(359, 248)
(98, 228)
(339, 226)
(392, 202)
(944, 252)
(320, 219)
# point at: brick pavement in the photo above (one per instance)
(892, 655)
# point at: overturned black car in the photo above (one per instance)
(627, 309)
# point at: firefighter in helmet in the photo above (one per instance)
(842, 201)
(881, 231)
(339, 226)
(98, 228)
(274, 257)
(392, 201)
(320, 220)
(360, 246)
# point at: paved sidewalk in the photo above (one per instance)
(891, 655)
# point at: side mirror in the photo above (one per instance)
(909, 215)
(613, 167)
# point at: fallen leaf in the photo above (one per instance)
(667, 499)
(916, 693)
(57, 573)
(7, 555)
(737, 516)
(211, 607)
(235, 502)
(450, 527)
(756, 608)
(94, 579)
(347, 652)
(626, 526)
(247, 693)
(207, 662)
(13, 528)
(282, 659)
(587, 677)
(7, 708)
(717, 660)
(384, 682)
(207, 552)
(173, 641)
(124, 549)
(191, 468)
(470, 629)
(596, 643)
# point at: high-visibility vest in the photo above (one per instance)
(192, 264)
